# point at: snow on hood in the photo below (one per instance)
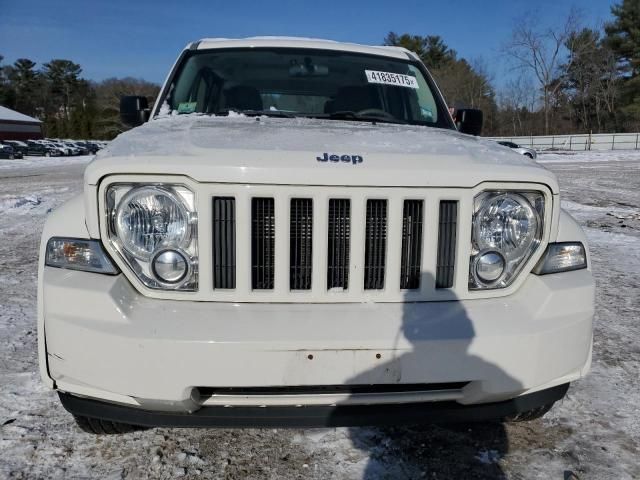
(283, 150)
(189, 134)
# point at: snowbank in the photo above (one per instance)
(34, 162)
(589, 157)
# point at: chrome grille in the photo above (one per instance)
(338, 245)
(224, 242)
(375, 244)
(263, 237)
(445, 267)
(315, 244)
(300, 243)
(411, 260)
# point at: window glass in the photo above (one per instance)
(301, 82)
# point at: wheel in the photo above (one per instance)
(11, 157)
(528, 155)
(47, 154)
(104, 427)
(530, 414)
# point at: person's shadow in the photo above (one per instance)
(458, 450)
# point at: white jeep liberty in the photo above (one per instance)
(302, 235)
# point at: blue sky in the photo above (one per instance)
(141, 38)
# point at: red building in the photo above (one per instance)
(16, 126)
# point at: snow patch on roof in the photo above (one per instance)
(12, 115)
(269, 37)
(300, 42)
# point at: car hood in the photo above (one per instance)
(268, 150)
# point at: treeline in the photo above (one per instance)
(69, 105)
(569, 79)
(464, 85)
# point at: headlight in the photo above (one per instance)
(507, 229)
(154, 227)
(151, 217)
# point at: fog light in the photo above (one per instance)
(489, 266)
(170, 266)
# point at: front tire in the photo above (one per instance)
(104, 427)
(528, 155)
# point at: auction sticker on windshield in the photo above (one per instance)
(390, 78)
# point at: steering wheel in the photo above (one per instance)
(375, 112)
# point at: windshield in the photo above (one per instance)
(307, 83)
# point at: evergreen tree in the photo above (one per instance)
(25, 82)
(7, 94)
(623, 36)
(431, 49)
(590, 81)
(62, 80)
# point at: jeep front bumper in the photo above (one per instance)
(106, 342)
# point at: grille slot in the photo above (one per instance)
(263, 236)
(300, 243)
(411, 258)
(445, 266)
(224, 242)
(339, 236)
(375, 249)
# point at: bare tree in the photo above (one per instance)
(542, 52)
(516, 101)
(609, 87)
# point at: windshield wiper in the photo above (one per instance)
(257, 113)
(340, 115)
(351, 115)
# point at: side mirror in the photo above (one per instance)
(134, 110)
(469, 121)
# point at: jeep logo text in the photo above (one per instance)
(332, 157)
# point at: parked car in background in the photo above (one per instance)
(17, 145)
(42, 150)
(55, 146)
(84, 150)
(67, 150)
(527, 152)
(7, 152)
(76, 148)
(91, 147)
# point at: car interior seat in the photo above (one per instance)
(242, 97)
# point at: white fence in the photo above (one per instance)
(596, 141)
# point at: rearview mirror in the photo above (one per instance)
(308, 69)
(469, 121)
(134, 110)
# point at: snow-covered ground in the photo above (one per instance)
(28, 163)
(593, 434)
